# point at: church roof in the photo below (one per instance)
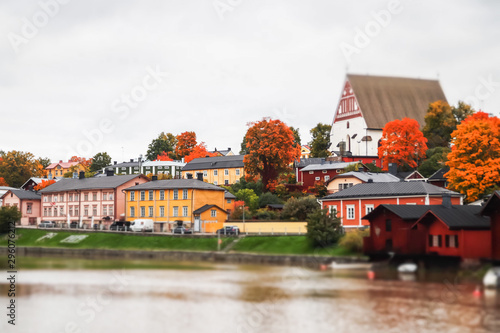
(383, 99)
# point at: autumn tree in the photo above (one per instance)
(45, 162)
(165, 142)
(186, 142)
(296, 135)
(474, 160)
(100, 161)
(462, 111)
(83, 162)
(3, 182)
(271, 150)
(43, 184)
(439, 124)
(402, 143)
(436, 159)
(16, 167)
(320, 140)
(163, 157)
(198, 151)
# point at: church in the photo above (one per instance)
(367, 103)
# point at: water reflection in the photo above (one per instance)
(193, 297)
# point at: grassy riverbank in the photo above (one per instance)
(286, 245)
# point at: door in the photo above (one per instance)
(197, 224)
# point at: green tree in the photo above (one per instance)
(268, 198)
(462, 111)
(249, 197)
(296, 135)
(257, 186)
(243, 147)
(439, 124)
(320, 140)
(99, 161)
(436, 159)
(44, 162)
(8, 214)
(323, 229)
(300, 208)
(163, 143)
(16, 167)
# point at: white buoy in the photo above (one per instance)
(407, 268)
(492, 278)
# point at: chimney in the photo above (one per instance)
(447, 200)
(228, 148)
(115, 162)
(199, 176)
(131, 160)
(60, 161)
(82, 175)
(215, 149)
(393, 169)
(110, 172)
(370, 180)
(154, 178)
(189, 176)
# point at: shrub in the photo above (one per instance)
(323, 229)
(300, 208)
(353, 240)
(8, 214)
(268, 198)
(266, 214)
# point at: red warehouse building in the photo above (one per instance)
(353, 203)
(456, 231)
(323, 172)
(492, 209)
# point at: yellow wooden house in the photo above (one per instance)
(218, 170)
(199, 205)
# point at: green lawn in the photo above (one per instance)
(287, 245)
(99, 240)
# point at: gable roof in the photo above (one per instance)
(390, 190)
(406, 212)
(330, 165)
(205, 208)
(457, 217)
(166, 184)
(24, 195)
(439, 175)
(382, 177)
(217, 162)
(492, 204)
(383, 99)
(70, 184)
(64, 165)
(229, 195)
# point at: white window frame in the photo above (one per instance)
(143, 211)
(226, 172)
(213, 213)
(151, 211)
(132, 195)
(176, 211)
(369, 208)
(185, 211)
(350, 212)
(162, 194)
(184, 194)
(143, 195)
(162, 211)
(311, 172)
(216, 173)
(237, 171)
(176, 194)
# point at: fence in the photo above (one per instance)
(283, 228)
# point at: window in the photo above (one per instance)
(324, 171)
(61, 211)
(132, 195)
(111, 196)
(237, 172)
(150, 195)
(350, 212)
(388, 225)
(451, 241)
(333, 209)
(369, 208)
(45, 198)
(184, 194)
(176, 194)
(311, 172)
(94, 210)
(104, 196)
(228, 201)
(343, 186)
(61, 198)
(150, 211)
(215, 173)
(70, 210)
(45, 211)
(205, 173)
(226, 172)
(213, 213)
(105, 210)
(70, 197)
(54, 198)
(132, 211)
(143, 195)
(110, 210)
(143, 211)
(77, 211)
(338, 171)
(176, 211)
(94, 196)
(226, 182)
(327, 178)
(162, 211)
(184, 211)
(86, 210)
(76, 197)
(29, 208)
(215, 182)
(317, 178)
(86, 197)
(162, 194)
(434, 240)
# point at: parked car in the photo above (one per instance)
(142, 225)
(47, 224)
(182, 230)
(73, 225)
(229, 230)
(119, 226)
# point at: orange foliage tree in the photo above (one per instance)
(186, 142)
(271, 148)
(163, 157)
(16, 167)
(43, 184)
(200, 150)
(3, 182)
(84, 162)
(402, 143)
(474, 160)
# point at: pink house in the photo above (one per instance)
(27, 202)
(100, 200)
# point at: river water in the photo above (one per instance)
(73, 296)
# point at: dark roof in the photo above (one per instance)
(205, 208)
(365, 176)
(458, 217)
(124, 165)
(492, 204)
(406, 174)
(384, 99)
(166, 184)
(389, 190)
(25, 195)
(217, 162)
(406, 212)
(69, 184)
(439, 175)
(229, 195)
(306, 161)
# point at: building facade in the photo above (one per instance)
(323, 172)
(57, 170)
(27, 202)
(219, 170)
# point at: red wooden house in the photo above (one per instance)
(353, 203)
(456, 231)
(492, 209)
(322, 172)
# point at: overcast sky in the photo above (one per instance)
(80, 77)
